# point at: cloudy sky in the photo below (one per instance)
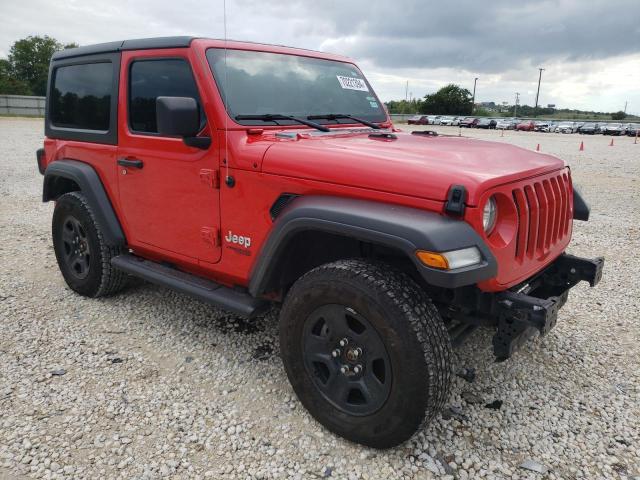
(590, 49)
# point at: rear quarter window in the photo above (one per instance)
(81, 96)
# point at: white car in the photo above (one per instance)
(566, 127)
(434, 119)
(446, 120)
(506, 124)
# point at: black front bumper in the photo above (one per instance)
(534, 305)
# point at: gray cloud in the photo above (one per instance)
(480, 36)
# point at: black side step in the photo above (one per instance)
(197, 287)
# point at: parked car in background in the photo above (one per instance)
(589, 128)
(469, 122)
(446, 120)
(633, 129)
(550, 127)
(456, 121)
(418, 120)
(540, 125)
(614, 129)
(566, 127)
(505, 124)
(526, 126)
(434, 119)
(487, 123)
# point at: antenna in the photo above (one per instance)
(224, 96)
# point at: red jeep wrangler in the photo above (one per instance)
(246, 175)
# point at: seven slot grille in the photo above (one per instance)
(544, 215)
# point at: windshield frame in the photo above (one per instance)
(267, 124)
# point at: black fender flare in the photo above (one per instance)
(403, 228)
(581, 208)
(85, 176)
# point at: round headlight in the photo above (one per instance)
(489, 215)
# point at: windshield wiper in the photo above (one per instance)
(274, 117)
(336, 116)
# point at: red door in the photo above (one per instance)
(167, 190)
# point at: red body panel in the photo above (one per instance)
(164, 206)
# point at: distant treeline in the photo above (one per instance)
(455, 100)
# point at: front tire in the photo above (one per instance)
(83, 255)
(366, 351)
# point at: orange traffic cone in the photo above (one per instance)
(611, 144)
(581, 146)
(538, 148)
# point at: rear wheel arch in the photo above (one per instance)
(65, 176)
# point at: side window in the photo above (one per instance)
(81, 96)
(149, 79)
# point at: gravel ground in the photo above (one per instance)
(152, 384)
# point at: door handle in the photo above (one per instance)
(130, 162)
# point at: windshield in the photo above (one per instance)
(257, 83)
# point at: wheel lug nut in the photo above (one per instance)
(344, 369)
(335, 353)
(344, 342)
(357, 369)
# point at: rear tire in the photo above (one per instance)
(83, 255)
(392, 331)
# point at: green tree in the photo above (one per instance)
(28, 62)
(620, 115)
(404, 106)
(9, 85)
(449, 100)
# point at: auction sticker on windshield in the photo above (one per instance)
(351, 83)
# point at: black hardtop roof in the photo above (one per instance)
(141, 44)
(136, 44)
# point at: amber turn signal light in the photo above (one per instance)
(433, 260)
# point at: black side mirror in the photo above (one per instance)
(180, 117)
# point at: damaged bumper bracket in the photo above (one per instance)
(535, 305)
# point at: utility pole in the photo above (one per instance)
(535, 109)
(406, 91)
(473, 99)
(625, 106)
(515, 107)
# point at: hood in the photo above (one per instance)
(412, 165)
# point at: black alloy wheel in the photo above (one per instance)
(77, 253)
(365, 350)
(83, 255)
(347, 359)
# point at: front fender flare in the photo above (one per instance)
(403, 228)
